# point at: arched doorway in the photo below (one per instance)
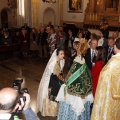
(49, 16)
(6, 18)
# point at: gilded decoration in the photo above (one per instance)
(75, 5)
(115, 18)
(57, 68)
(96, 10)
(78, 80)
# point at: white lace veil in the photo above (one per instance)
(44, 83)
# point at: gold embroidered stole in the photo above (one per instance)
(78, 80)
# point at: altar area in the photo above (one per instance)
(97, 32)
(102, 11)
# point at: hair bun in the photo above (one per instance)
(82, 47)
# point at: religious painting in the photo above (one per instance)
(75, 5)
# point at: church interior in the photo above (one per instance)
(76, 14)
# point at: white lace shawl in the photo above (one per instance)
(44, 83)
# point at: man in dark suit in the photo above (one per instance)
(86, 34)
(90, 55)
(109, 49)
(42, 42)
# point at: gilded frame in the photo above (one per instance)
(75, 6)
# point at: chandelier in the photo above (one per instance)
(49, 1)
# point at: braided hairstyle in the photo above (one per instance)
(82, 47)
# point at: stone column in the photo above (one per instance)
(35, 13)
(19, 14)
(60, 11)
(27, 11)
(23, 12)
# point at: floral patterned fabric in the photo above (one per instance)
(65, 112)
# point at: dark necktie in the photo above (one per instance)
(92, 55)
(109, 52)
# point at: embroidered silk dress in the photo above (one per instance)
(75, 96)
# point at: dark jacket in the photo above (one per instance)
(105, 43)
(29, 115)
(42, 38)
(5, 41)
(71, 39)
(88, 58)
(23, 39)
(87, 35)
(108, 56)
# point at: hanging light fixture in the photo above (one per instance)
(49, 1)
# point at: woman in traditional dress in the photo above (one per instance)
(50, 84)
(75, 96)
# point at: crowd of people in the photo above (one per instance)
(75, 97)
(36, 41)
(90, 90)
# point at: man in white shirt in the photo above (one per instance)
(90, 55)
